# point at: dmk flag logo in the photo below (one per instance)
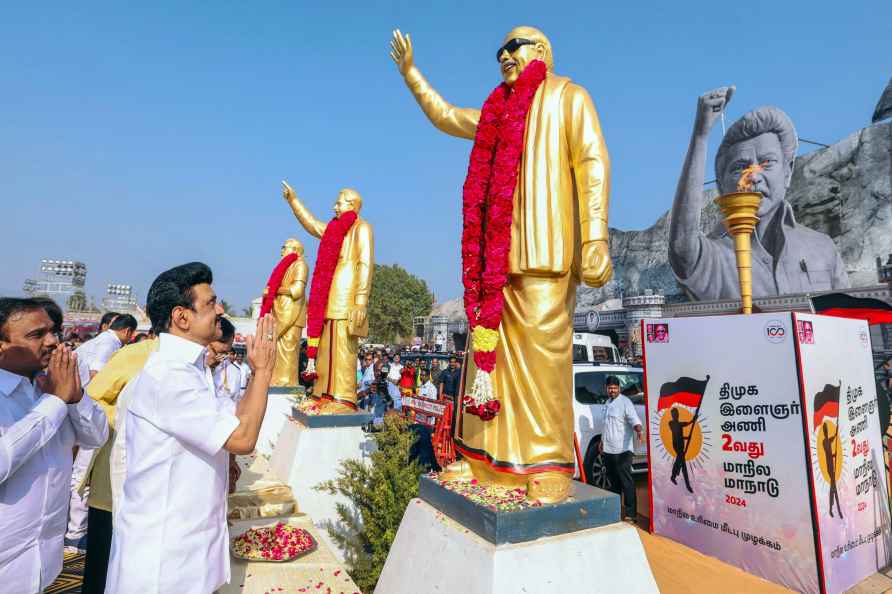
(685, 390)
(827, 404)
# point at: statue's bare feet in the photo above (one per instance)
(548, 487)
(336, 408)
(459, 470)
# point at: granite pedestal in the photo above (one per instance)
(310, 450)
(447, 543)
(279, 401)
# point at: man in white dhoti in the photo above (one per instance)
(170, 532)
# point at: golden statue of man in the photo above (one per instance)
(290, 310)
(344, 317)
(558, 235)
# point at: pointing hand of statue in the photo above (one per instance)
(710, 106)
(262, 346)
(401, 51)
(597, 268)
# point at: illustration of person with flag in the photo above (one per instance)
(827, 418)
(688, 392)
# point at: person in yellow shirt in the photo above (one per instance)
(104, 389)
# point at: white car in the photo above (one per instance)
(589, 397)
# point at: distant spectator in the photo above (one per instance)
(106, 320)
(427, 389)
(449, 380)
(227, 377)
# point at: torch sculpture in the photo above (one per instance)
(739, 211)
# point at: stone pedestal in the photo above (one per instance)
(576, 546)
(279, 402)
(310, 450)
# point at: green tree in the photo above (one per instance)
(380, 492)
(227, 309)
(397, 297)
(247, 312)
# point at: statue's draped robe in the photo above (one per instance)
(291, 316)
(560, 203)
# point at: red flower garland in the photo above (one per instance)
(488, 204)
(323, 273)
(275, 281)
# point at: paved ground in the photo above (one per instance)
(673, 564)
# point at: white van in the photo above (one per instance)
(594, 348)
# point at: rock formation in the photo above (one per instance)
(884, 105)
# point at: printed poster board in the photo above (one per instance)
(736, 405)
(725, 443)
(845, 448)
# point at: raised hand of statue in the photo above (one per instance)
(597, 267)
(401, 51)
(261, 348)
(710, 106)
(287, 192)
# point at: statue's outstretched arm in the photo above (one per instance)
(456, 121)
(314, 226)
(684, 228)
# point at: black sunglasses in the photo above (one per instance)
(512, 46)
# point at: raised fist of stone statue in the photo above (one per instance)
(710, 106)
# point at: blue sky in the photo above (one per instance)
(137, 136)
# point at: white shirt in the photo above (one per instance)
(95, 353)
(37, 433)
(620, 420)
(428, 390)
(117, 462)
(228, 381)
(396, 372)
(245, 373)
(368, 378)
(170, 531)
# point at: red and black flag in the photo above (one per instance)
(685, 390)
(841, 305)
(827, 404)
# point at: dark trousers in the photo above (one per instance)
(619, 471)
(99, 537)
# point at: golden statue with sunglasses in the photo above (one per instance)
(558, 236)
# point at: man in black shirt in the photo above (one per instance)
(449, 380)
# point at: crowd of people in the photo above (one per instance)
(128, 440)
(386, 376)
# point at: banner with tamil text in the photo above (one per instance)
(725, 443)
(846, 452)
